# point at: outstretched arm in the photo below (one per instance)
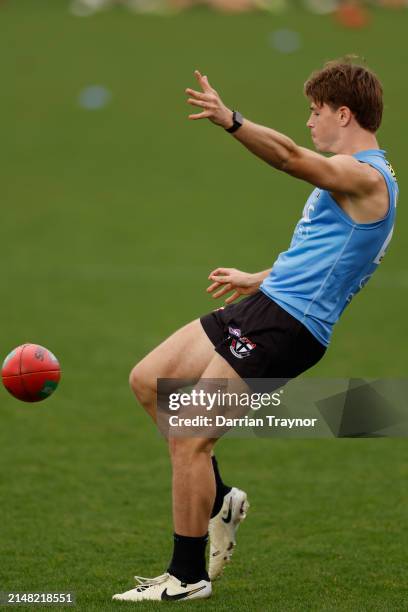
(340, 173)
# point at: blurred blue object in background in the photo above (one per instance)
(285, 41)
(94, 97)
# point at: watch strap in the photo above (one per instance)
(237, 121)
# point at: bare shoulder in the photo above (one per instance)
(361, 173)
(369, 205)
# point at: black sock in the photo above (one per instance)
(220, 491)
(188, 561)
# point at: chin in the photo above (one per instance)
(320, 148)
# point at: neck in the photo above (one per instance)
(360, 141)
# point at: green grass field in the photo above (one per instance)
(111, 221)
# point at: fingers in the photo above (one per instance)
(232, 297)
(222, 276)
(203, 115)
(226, 289)
(205, 86)
(199, 95)
(213, 273)
(212, 287)
(202, 103)
(207, 99)
(217, 271)
(221, 280)
(203, 100)
(215, 276)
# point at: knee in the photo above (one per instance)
(186, 449)
(142, 384)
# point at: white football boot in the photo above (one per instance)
(222, 530)
(165, 588)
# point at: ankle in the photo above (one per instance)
(188, 563)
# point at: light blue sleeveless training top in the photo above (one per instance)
(331, 257)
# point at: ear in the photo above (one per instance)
(345, 115)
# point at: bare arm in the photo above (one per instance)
(340, 173)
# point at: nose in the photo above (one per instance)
(309, 123)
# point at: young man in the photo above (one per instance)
(285, 322)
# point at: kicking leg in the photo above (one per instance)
(188, 354)
(184, 355)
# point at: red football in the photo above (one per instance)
(31, 373)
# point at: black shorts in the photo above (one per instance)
(259, 339)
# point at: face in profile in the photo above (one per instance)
(324, 127)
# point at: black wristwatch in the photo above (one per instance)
(237, 120)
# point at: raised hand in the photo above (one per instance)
(210, 102)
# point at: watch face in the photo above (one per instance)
(238, 118)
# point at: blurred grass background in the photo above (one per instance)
(111, 221)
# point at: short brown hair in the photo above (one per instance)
(343, 82)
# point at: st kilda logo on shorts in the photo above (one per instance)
(240, 346)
